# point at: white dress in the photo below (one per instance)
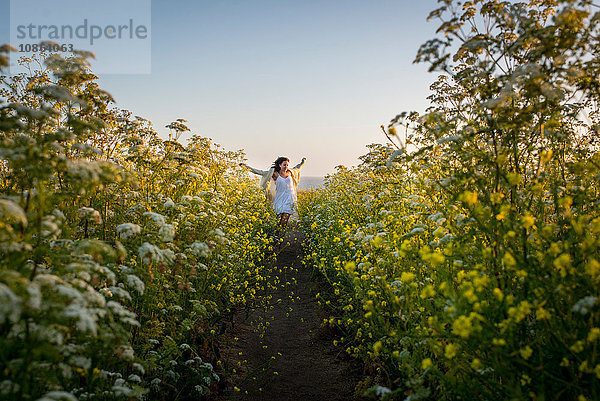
(285, 195)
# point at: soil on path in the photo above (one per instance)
(294, 358)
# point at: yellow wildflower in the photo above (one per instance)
(526, 352)
(513, 178)
(593, 268)
(542, 313)
(450, 351)
(504, 209)
(594, 334)
(462, 326)
(527, 221)
(350, 267)
(562, 263)
(508, 260)
(469, 197)
(520, 312)
(577, 347)
(407, 277)
(525, 380)
(427, 292)
(496, 197)
(377, 347)
(546, 156)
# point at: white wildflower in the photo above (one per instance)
(220, 236)
(446, 239)
(449, 138)
(58, 396)
(84, 171)
(81, 361)
(85, 321)
(12, 213)
(127, 230)
(201, 389)
(435, 216)
(83, 275)
(138, 366)
(136, 283)
(8, 387)
(121, 390)
(60, 93)
(89, 214)
(125, 315)
(95, 298)
(150, 253)
(127, 352)
(200, 249)
(48, 279)
(35, 114)
(10, 304)
(584, 305)
(396, 154)
(35, 295)
(116, 291)
(67, 291)
(50, 228)
(158, 218)
(167, 233)
(416, 230)
(168, 256)
(382, 391)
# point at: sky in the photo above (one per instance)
(301, 78)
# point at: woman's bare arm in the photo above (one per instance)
(254, 170)
(300, 165)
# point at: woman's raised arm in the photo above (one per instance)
(299, 165)
(254, 170)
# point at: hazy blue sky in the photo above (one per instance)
(301, 78)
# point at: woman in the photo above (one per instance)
(286, 181)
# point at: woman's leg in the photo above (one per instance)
(283, 219)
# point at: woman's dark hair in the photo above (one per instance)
(277, 162)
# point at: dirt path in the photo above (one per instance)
(294, 358)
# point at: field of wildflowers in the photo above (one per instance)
(463, 260)
(122, 254)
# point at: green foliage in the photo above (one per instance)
(469, 267)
